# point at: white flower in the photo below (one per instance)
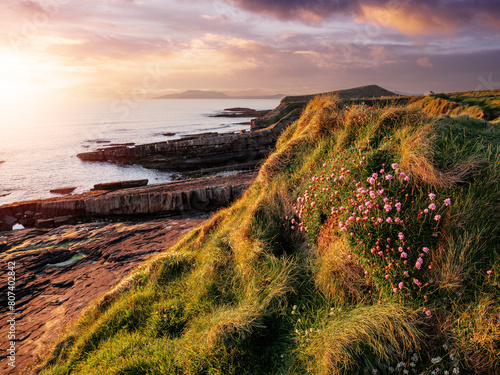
(412, 364)
(445, 347)
(406, 372)
(435, 360)
(456, 370)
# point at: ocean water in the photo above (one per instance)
(39, 142)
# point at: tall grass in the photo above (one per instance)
(368, 239)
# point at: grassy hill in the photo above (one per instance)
(368, 244)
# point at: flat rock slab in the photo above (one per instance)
(60, 271)
(120, 185)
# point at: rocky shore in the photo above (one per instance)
(210, 152)
(60, 271)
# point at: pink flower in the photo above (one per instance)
(428, 312)
(313, 204)
(425, 249)
(400, 285)
(380, 220)
(389, 220)
(432, 206)
(381, 253)
(292, 227)
(387, 207)
(489, 272)
(426, 211)
(404, 255)
(372, 195)
(371, 180)
(432, 196)
(366, 273)
(395, 290)
(437, 217)
(394, 166)
(400, 249)
(406, 273)
(398, 206)
(344, 229)
(417, 282)
(361, 208)
(374, 175)
(402, 175)
(401, 236)
(419, 262)
(407, 178)
(447, 201)
(387, 277)
(388, 177)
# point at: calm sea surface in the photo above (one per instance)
(39, 143)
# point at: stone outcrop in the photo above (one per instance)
(120, 185)
(63, 191)
(201, 194)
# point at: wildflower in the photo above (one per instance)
(432, 206)
(447, 201)
(371, 180)
(456, 370)
(372, 195)
(387, 277)
(389, 220)
(344, 229)
(419, 262)
(407, 178)
(400, 285)
(381, 253)
(404, 255)
(395, 290)
(437, 217)
(398, 206)
(366, 273)
(402, 175)
(426, 211)
(416, 281)
(387, 207)
(406, 273)
(489, 272)
(401, 236)
(432, 196)
(394, 166)
(388, 177)
(292, 227)
(380, 220)
(435, 360)
(425, 249)
(428, 312)
(313, 204)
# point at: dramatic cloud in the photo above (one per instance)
(415, 17)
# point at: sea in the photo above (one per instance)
(39, 142)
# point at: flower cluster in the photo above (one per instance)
(391, 222)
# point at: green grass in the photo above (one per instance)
(273, 284)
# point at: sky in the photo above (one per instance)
(145, 48)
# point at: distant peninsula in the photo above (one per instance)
(200, 94)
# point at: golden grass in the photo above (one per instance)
(337, 274)
(478, 335)
(346, 343)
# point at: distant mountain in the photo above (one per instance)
(199, 94)
(196, 94)
(370, 91)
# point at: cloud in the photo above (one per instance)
(424, 17)
(424, 62)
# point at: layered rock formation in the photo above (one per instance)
(202, 194)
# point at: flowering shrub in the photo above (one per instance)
(392, 223)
